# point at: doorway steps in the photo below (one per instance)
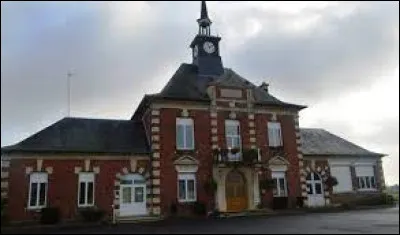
(138, 219)
(256, 212)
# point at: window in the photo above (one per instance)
(314, 184)
(232, 133)
(366, 182)
(279, 184)
(274, 134)
(139, 194)
(184, 133)
(38, 190)
(365, 177)
(186, 187)
(86, 189)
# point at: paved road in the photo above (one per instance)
(377, 221)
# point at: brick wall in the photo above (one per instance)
(168, 153)
(290, 149)
(62, 186)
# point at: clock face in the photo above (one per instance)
(195, 51)
(209, 47)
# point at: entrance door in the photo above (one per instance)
(315, 194)
(132, 195)
(236, 192)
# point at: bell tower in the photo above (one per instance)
(205, 47)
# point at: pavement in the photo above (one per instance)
(372, 221)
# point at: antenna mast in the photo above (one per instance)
(69, 75)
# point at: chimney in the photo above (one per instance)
(264, 86)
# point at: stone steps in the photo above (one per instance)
(247, 213)
(137, 219)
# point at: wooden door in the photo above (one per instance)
(235, 192)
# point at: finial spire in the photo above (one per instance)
(204, 14)
(204, 21)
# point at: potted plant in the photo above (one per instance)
(331, 181)
(224, 154)
(216, 153)
(235, 150)
(210, 186)
(266, 184)
(250, 155)
(91, 214)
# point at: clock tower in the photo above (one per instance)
(205, 48)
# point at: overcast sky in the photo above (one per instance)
(341, 59)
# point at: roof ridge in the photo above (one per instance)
(92, 118)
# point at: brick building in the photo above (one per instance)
(209, 136)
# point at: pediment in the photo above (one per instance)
(278, 161)
(186, 160)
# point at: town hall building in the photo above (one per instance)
(209, 137)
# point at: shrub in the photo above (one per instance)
(3, 214)
(3, 205)
(388, 199)
(370, 200)
(91, 214)
(215, 213)
(199, 208)
(173, 208)
(347, 205)
(250, 155)
(299, 202)
(210, 186)
(235, 150)
(50, 215)
(266, 184)
(331, 181)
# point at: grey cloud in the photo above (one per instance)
(111, 73)
(338, 55)
(386, 136)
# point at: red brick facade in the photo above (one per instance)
(168, 154)
(62, 186)
(203, 150)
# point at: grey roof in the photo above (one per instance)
(321, 142)
(186, 84)
(86, 135)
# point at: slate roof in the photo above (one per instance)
(321, 142)
(86, 136)
(186, 84)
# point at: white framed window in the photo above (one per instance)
(184, 133)
(280, 185)
(274, 134)
(187, 187)
(366, 182)
(37, 190)
(86, 189)
(232, 134)
(365, 177)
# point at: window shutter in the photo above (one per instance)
(354, 180)
(270, 136)
(377, 177)
(279, 134)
